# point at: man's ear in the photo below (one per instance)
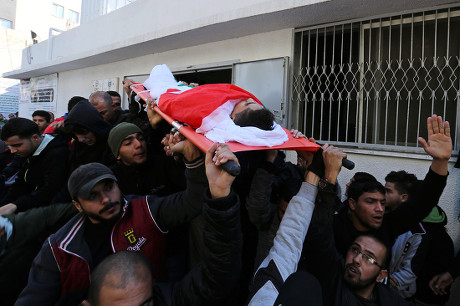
(77, 205)
(382, 275)
(404, 197)
(352, 203)
(35, 137)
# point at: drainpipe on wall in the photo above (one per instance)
(50, 41)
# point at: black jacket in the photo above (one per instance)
(395, 222)
(30, 229)
(158, 175)
(435, 255)
(327, 265)
(41, 176)
(85, 115)
(211, 282)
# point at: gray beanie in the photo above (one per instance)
(119, 133)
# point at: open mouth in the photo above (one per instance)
(353, 270)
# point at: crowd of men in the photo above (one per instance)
(105, 206)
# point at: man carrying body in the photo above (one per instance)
(44, 169)
(108, 223)
(116, 100)
(367, 201)
(42, 119)
(102, 102)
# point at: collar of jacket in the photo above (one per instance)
(46, 140)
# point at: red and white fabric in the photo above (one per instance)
(207, 109)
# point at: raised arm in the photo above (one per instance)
(439, 147)
(210, 282)
(287, 246)
(181, 207)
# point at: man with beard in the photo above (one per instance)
(354, 280)
(367, 236)
(108, 223)
(367, 200)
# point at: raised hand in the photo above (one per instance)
(439, 143)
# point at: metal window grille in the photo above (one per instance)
(374, 82)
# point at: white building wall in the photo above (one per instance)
(8, 11)
(254, 47)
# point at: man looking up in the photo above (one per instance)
(102, 102)
(44, 167)
(42, 119)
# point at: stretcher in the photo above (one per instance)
(203, 143)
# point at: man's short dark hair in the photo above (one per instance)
(386, 259)
(363, 177)
(260, 118)
(113, 93)
(73, 101)
(357, 188)
(127, 266)
(43, 114)
(21, 127)
(404, 182)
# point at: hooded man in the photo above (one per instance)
(91, 132)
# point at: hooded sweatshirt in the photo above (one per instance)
(85, 115)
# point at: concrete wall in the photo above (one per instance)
(249, 48)
(8, 11)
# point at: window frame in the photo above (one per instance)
(300, 53)
(55, 10)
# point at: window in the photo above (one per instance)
(6, 23)
(374, 82)
(73, 16)
(58, 10)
